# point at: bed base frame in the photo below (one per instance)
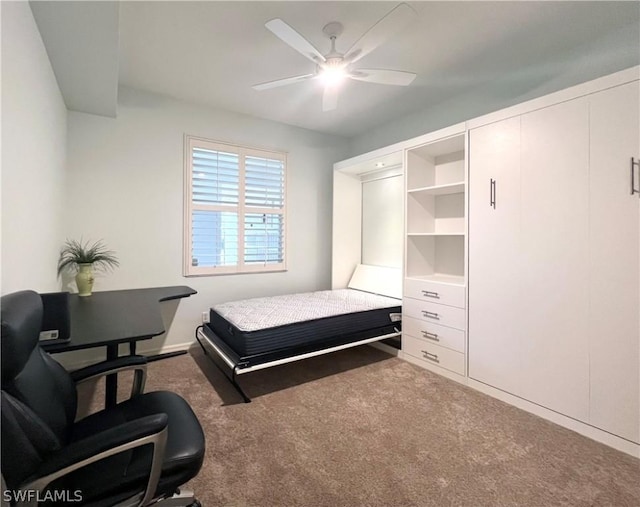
(233, 365)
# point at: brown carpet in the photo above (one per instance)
(361, 428)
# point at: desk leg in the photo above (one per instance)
(111, 387)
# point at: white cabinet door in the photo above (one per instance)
(554, 254)
(494, 269)
(614, 273)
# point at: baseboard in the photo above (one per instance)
(166, 349)
(584, 429)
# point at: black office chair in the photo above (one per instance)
(136, 453)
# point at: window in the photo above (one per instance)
(234, 208)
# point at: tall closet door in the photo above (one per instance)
(614, 273)
(554, 254)
(494, 231)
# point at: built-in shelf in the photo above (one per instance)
(436, 211)
(449, 188)
(435, 267)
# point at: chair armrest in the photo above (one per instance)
(127, 363)
(146, 430)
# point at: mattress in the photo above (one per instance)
(261, 325)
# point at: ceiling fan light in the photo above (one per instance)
(332, 76)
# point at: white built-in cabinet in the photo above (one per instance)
(614, 261)
(553, 258)
(554, 158)
(494, 246)
(522, 253)
(434, 302)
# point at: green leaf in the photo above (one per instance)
(76, 252)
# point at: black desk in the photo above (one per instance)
(109, 318)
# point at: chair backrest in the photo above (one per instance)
(42, 398)
(26, 441)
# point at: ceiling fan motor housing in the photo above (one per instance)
(333, 62)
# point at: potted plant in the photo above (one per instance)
(82, 257)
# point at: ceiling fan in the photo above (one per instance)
(334, 67)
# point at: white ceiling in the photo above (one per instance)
(212, 52)
(82, 43)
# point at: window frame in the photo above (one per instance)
(191, 142)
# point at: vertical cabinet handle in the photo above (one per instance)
(492, 193)
(634, 163)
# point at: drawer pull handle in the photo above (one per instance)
(430, 356)
(430, 315)
(430, 294)
(430, 336)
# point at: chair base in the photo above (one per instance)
(181, 498)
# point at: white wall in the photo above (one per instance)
(126, 187)
(33, 156)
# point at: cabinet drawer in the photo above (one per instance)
(433, 333)
(434, 313)
(451, 295)
(434, 354)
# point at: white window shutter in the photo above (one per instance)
(264, 182)
(215, 177)
(235, 209)
(263, 238)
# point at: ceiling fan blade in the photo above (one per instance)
(330, 98)
(390, 24)
(384, 76)
(281, 82)
(289, 36)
